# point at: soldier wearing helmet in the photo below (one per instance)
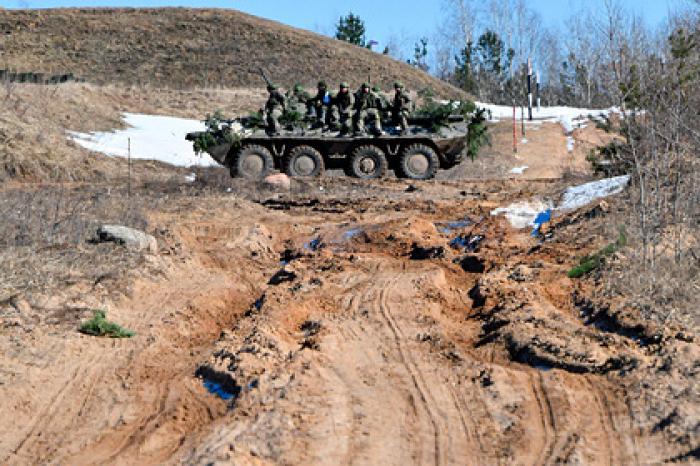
(382, 102)
(319, 105)
(274, 108)
(366, 110)
(400, 107)
(344, 102)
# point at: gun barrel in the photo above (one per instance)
(194, 135)
(265, 78)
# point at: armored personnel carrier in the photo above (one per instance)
(418, 153)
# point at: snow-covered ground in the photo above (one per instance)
(570, 118)
(579, 196)
(522, 214)
(152, 137)
(505, 112)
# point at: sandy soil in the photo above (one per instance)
(543, 156)
(345, 329)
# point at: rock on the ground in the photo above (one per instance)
(131, 238)
(278, 181)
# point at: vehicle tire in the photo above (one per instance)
(304, 162)
(418, 162)
(252, 162)
(367, 162)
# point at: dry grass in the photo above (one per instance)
(34, 119)
(45, 237)
(186, 48)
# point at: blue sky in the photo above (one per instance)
(403, 20)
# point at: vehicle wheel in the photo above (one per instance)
(252, 162)
(418, 162)
(367, 162)
(304, 161)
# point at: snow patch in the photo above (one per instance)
(522, 214)
(153, 137)
(569, 116)
(579, 196)
(570, 143)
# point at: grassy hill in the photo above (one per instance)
(189, 48)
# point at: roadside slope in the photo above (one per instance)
(185, 48)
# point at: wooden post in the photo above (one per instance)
(128, 185)
(515, 136)
(537, 90)
(529, 89)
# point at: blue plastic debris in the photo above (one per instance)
(217, 389)
(467, 242)
(313, 245)
(542, 218)
(258, 304)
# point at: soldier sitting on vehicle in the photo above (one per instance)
(400, 107)
(383, 104)
(319, 105)
(366, 108)
(344, 102)
(298, 100)
(274, 108)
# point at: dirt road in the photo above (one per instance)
(341, 327)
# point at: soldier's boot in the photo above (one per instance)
(345, 124)
(326, 116)
(377, 127)
(375, 122)
(270, 128)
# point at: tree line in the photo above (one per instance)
(482, 47)
(604, 57)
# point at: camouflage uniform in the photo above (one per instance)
(366, 109)
(400, 107)
(319, 105)
(274, 108)
(383, 106)
(298, 100)
(344, 102)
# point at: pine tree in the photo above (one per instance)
(465, 69)
(420, 54)
(351, 29)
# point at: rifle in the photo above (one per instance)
(265, 78)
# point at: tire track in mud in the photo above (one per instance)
(617, 450)
(50, 411)
(356, 290)
(604, 419)
(139, 431)
(546, 416)
(431, 408)
(47, 411)
(471, 433)
(372, 293)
